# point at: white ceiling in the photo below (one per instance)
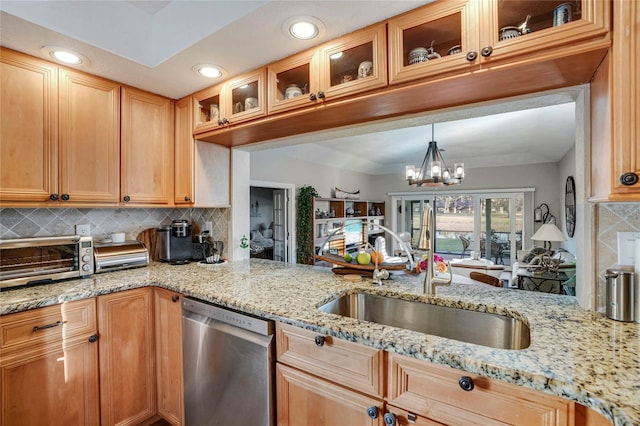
(154, 45)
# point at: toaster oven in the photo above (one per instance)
(41, 260)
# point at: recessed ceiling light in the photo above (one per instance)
(210, 71)
(65, 55)
(303, 27)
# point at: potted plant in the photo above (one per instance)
(304, 225)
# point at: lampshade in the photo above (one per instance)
(547, 233)
(434, 171)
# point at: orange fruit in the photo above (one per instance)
(375, 255)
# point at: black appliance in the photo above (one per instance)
(174, 242)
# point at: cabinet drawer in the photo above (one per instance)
(433, 391)
(47, 325)
(349, 364)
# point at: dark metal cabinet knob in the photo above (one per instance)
(187, 198)
(466, 383)
(321, 95)
(127, 198)
(223, 122)
(372, 412)
(629, 179)
(65, 197)
(389, 419)
(312, 97)
(93, 338)
(53, 197)
(320, 340)
(486, 51)
(175, 298)
(472, 56)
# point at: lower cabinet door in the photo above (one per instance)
(307, 400)
(52, 386)
(127, 357)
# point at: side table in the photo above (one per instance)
(548, 282)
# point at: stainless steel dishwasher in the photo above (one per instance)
(229, 366)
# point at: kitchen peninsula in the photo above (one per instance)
(574, 353)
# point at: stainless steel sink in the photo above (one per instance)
(480, 328)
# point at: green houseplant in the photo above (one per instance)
(304, 224)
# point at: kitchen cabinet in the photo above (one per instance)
(351, 64)
(29, 153)
(451, 396)
(239, 99)
(168, 322)
(615, 115)
(461, 35)
(361, 217)
(49, 366)
(127, 357)
(147, 151)
(202, 169)
(89, 138)
(323, 381)
(184, 152)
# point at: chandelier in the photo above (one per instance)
(434, 170)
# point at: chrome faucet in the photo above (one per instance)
(427, 243)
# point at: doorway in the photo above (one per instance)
(271, 216)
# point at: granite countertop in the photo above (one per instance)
(574, 353)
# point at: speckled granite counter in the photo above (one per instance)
(574, 353)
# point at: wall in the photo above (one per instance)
(15, 223)
(567, 167)
(611, 218)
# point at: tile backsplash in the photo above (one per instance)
(15, 223)
(611, 219)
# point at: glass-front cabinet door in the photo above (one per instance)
(432, 40)
(245, 97)
(510, 28)
(208, 112)
(292, 81)
(353, 63)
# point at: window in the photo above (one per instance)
(491, 223)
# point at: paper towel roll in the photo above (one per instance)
(637, 283)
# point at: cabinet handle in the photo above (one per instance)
(320, 341)
(175, 298)
(389, 419)
(53, 197)
(466, 383)
(629, 179)
(486, 51)
(321, 95)
(187, 198)
(65, 197)
(93, 338)
(44, 327)
(372, 412)
(223, 122)
(412, 417)
(312, 97)
(471, 56)
(127, 198)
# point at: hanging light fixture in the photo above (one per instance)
(434, 171)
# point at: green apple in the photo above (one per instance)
(363, 258)
(348, 258)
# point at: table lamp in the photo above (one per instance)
(548, 232)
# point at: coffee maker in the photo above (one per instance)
(174, 242)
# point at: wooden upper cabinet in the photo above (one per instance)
(208, 109)
(147, 149)
(89, 141)
(245, 97)
(625, 174)
(29, 153)
(448, 36)
(184, 152)
(291, 82)
(353, 63)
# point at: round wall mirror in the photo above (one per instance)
(570, 206)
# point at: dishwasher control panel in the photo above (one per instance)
(224, 315)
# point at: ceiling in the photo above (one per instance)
(153, 45)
